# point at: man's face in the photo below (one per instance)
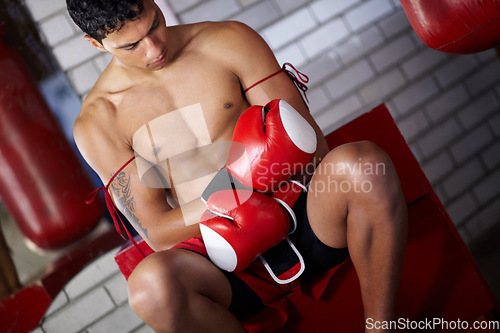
(141, 43)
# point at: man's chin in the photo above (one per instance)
(154, 68)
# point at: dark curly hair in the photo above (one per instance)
(98, 18)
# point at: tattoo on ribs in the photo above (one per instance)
(125, 201)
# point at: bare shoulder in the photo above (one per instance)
(91, 124)
(227, 34)
(98, 138)
(234, 45)
(96, 113)
(239, 48)
(225, 27)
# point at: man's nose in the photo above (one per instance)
(153, 47)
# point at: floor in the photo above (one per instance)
(93, 301)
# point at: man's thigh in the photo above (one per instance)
(182, 270)
(327, 202)
(223, 287)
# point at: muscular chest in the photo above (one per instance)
(186, 106)
(174, 124)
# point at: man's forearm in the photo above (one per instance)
(175, 226)
(160, 225)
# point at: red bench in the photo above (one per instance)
(440, 278)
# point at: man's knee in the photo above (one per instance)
(354, 153)
(357, 167)
(156, 285)
(375, 187)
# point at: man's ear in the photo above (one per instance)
(95, 43)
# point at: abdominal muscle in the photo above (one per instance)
(175, 151)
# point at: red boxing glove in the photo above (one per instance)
(278, 143)
(240, 225)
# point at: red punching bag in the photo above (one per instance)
(42, 182)
(455, 26)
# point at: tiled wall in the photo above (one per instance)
(357, 53)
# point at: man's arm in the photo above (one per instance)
(249, 57)
(106, 151)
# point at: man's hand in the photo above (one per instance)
(278, 143)
(240, 225)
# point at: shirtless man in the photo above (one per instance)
(204, 68)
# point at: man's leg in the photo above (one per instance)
(355, 200)
(181, 291)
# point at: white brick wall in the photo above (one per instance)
(392, 53)
(462, 208)
(491, 156)
(456, 69)
(439, 137)
(415, 95)
(84, 76)
(292, 53)
(421, 62)
(383, 85)
(322, 68)
(471, 143)
(320, 39)
(464, 177)
(258, 16)
(337, 112)
(326, 9)
(484, 191)
(479, 110)
(447, 102)
(290, 5)
(394, 24)
(56, 29)
(360, 44)
(413, 125)
(438, 167)
(483, 220)
(41, 9)
(181, 5)
(214, 10)
(356, 52)
(483, 78)
(74, 52)
(367, 13)
(350, 79)
(287, 29)
(494, 122)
